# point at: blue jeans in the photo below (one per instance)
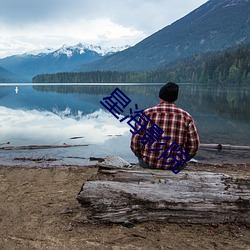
(143, 164)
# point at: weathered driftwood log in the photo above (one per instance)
(29, 147)
(224, 147)
(119, 195)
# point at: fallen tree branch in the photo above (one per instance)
(224, 146)
(41, 159)
(29, 147)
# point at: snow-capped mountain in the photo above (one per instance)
(81, 48)
(64, 59)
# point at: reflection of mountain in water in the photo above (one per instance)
(229, 101)
(53, 114)
(44, 127)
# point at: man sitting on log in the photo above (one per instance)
(165, 136)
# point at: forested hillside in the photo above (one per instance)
(229, 66)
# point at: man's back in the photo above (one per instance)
(179, 130)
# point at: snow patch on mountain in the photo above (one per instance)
(39, 52)
(69, 51)
(79, 48)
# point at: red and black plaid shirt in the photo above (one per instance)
(178, 126)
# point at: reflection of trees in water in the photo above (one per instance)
(231, 102)
(195, 98)
(98, 89)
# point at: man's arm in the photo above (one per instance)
(193, 140)
(136, 145)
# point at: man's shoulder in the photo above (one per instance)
(167, 108)
(151, 109)
(182, 111)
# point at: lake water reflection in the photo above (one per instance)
(72, 114)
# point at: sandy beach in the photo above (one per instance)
(39, 210)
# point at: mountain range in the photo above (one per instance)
(214, 26)
(7, 76)
(64, 59)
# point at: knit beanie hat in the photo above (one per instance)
(169, 92)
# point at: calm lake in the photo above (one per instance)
(72, 114)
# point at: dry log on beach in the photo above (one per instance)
(40, 159)
(136, 195)
(40, 147)
(224, 147)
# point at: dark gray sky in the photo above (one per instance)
(27, 25)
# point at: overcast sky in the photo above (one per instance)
(27, 25)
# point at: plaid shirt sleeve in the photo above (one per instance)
(136, 145)
(193, 140)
